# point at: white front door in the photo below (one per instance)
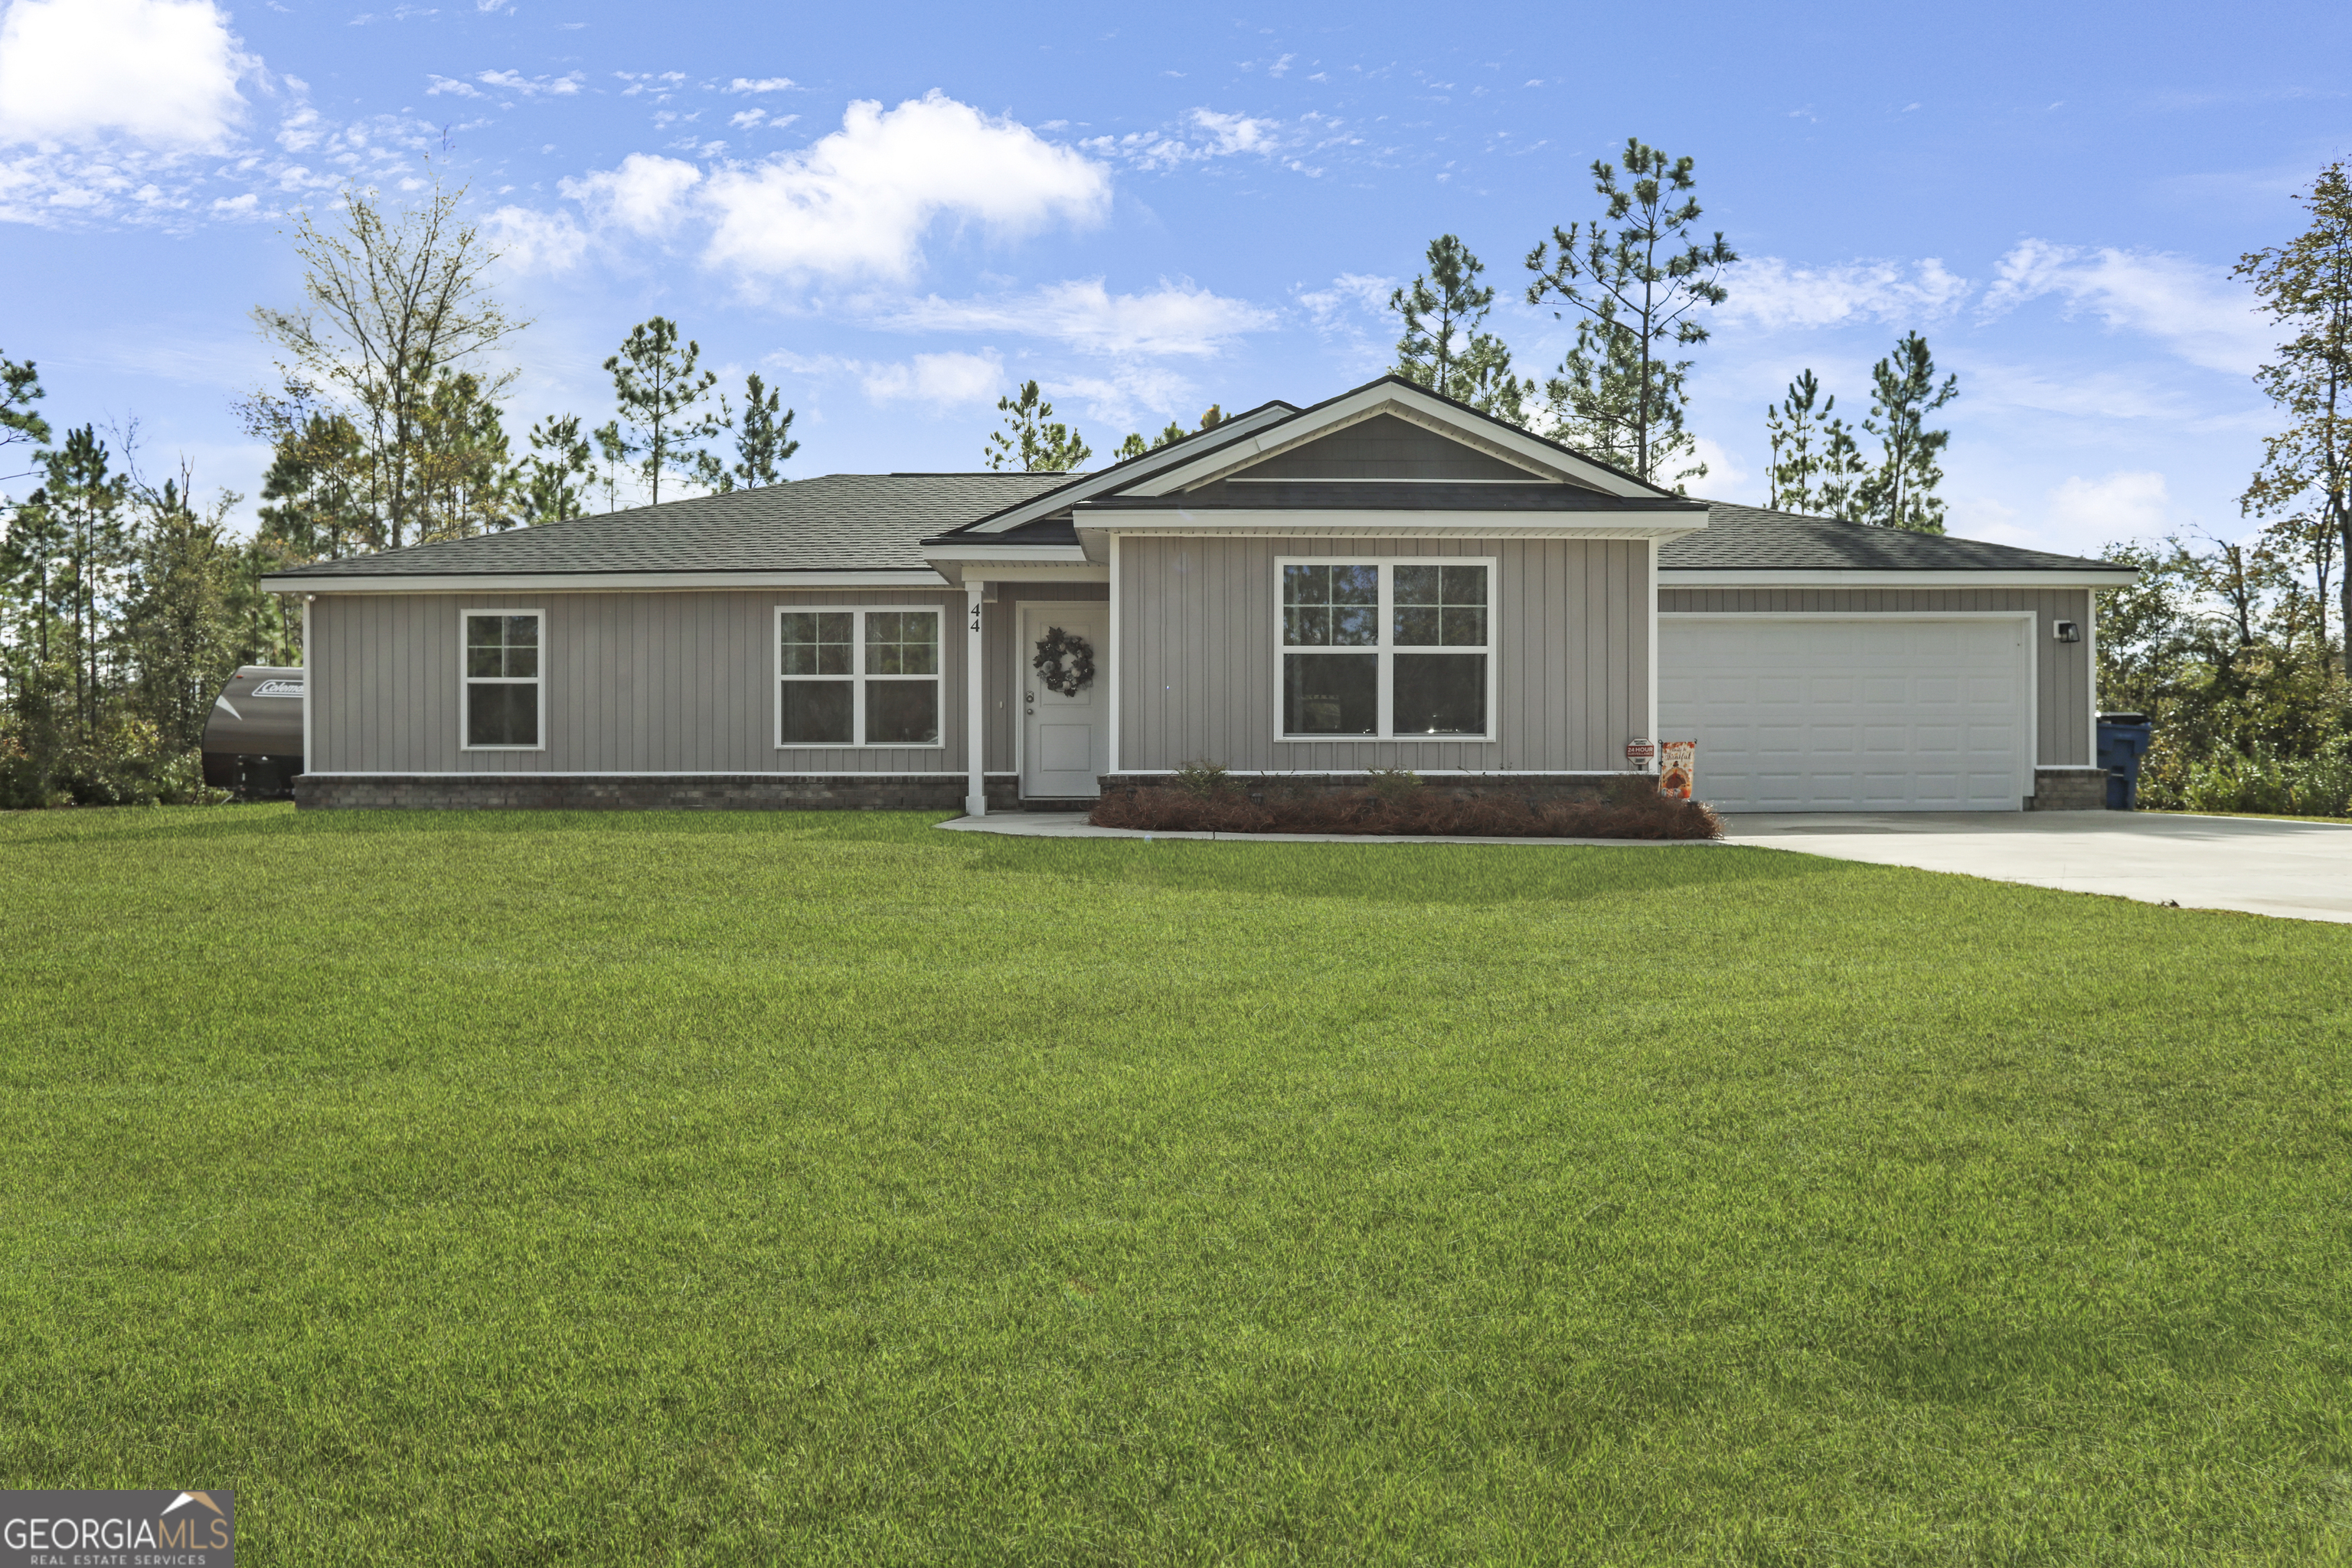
(1065, 740)
(1864, 714)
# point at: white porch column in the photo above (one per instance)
(975, 731)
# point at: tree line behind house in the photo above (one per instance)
(124, 603)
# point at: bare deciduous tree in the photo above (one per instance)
(394, 302)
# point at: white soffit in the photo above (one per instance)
(1542, 460)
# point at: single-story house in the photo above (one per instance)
(1384, 580)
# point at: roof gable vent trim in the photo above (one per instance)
(1391, 394)
(1123, 475)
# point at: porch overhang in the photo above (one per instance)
(961, 563)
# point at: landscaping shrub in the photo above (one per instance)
(1634, 810)
(2261, 780)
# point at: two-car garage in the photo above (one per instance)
(1860, 712)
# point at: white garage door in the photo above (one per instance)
(1876, 713)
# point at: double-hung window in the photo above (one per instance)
(504, 705)
(857, 678)
(1386, 649)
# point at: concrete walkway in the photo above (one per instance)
(2301, 870)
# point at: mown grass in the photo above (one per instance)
(539, 1189)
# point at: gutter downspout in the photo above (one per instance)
(975, 736)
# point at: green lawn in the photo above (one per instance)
(822, 1188)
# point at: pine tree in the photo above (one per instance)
(87, 497)
(1443, 348)
(560, 454)
(1900, 491)
(2306, 285)
(614, 449)
(1135, 445)
(20, 388)
(466, 474)
(654, 379)
(1634, 287)
(1030, 441)
(177, 619)
(765, 441)
(312, 507)
(1841, 474)
(1799, 443)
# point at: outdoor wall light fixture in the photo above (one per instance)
(2066, 631)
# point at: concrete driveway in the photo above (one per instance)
(2299, 869)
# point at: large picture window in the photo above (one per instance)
(857, 677)
(1386, 649)
(503, 710)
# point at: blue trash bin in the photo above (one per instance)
(2124, 740)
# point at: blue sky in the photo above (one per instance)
(896, 213)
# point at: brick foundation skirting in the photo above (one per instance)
(721, 792)
(1536, 789)
(2069, 789)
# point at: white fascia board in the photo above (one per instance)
(1409, 403)
(1245, 521)
(1058, 572)
(1990, 577)
(919, 578)
(937, 554)
(1122, 477)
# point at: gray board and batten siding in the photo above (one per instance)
(1200, 632)
(657, 682)
(2066, 727)
(1385, 448)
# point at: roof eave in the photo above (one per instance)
(2088, 575)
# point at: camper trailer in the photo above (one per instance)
(253, 744)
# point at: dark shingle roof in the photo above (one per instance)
(1748, 538)
(838, 522)
(867, 523)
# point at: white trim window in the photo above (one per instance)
(503, 705)
(857, 677)
(1386, 649)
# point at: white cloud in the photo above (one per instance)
(765, 84)
(646, 195)
(1772, 294)
(1348, 291)
(1203, 133)
(747, 119)
(941, 379)
(859, 202)
(2123, 505)
(2197, 310)
(528, 241)
(451, 86)
(160, 73)
(1725, 477)
(530, 87)
(1174, 318)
